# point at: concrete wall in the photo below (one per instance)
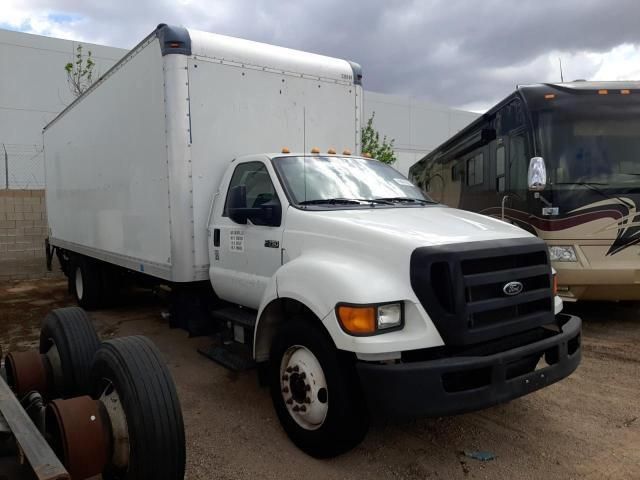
(418, 126)
(23, 228)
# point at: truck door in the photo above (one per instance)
(244, 257)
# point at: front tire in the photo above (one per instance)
(315, 391)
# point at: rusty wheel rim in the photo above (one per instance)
(80, 434)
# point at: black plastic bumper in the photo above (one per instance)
(419, 388)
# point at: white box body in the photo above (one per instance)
(133, 165)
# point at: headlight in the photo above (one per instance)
(562, 254)
(363, 320)
(389, 315)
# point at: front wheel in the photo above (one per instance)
(316, 392)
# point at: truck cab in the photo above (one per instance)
(365, 291)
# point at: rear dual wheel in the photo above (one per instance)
(93, 283)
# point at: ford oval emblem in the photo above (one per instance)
(513, 288)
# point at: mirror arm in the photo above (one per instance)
(540, 197)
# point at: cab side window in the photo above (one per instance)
(255, 177)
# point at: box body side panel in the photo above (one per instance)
(106, 167)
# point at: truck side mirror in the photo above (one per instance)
(237, 204)
(537, 175)
(269, 213)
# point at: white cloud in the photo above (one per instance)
(458, 53)
(48, 22)
(621, 63)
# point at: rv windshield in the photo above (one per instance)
(340, 181)
(594, 141)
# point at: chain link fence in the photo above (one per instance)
(22, 166)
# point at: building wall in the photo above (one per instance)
(416, 125)
(33, 90)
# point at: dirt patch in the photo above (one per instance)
(583, 427)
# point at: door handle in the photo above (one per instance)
(216, 237)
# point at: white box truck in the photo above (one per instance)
(353, 291)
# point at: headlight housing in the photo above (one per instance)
(372, 319)
(559, 253)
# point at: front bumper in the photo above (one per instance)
(425, 389)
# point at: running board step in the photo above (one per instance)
(236, 315)
(233, 356)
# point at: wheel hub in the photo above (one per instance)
(298, 387)
(79, 433)
(304, 387)
(27, 371)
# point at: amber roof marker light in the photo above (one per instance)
(603, 91)
(549, 96)
(625, 91)
(285, 150)
(315, 150)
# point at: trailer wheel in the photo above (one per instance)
(315, 391)
(69, 341)
(86, 281)
(130, 378)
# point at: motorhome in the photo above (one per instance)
(586, 134)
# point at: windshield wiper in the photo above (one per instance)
(407, 200)
(344, 201)
(595, 187)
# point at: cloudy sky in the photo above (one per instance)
(466, 54)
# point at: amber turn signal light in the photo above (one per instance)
(555, 285)
(357, 320)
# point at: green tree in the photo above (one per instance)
(371, 144)
(80, 72)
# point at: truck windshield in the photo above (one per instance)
(594, 140)
(351, 181)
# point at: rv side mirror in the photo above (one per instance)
(537, 175)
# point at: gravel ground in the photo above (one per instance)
(587, 426)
